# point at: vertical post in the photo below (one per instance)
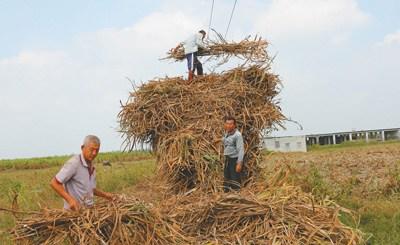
(366, 137)
(317, 139)
(383, 135)
(350, 137)
(334, 139)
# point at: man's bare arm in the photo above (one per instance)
(59, 188)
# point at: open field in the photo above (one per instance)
(359, 176)
(357, 169)
(364, 178)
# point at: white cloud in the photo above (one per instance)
(34, 58)
(76, 91)
(288, 18)
(339, 39)
(153, 33)
(391, 39)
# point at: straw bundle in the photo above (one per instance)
(283, 215)
(254, 50)
(183, 121)
(257, 215)
(127, 221)
(263, 213)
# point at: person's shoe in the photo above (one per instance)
(190, 78)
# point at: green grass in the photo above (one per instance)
(378, 219)
(315, 183)
(34, 191)
(46, 162)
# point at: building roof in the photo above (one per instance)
(332, 133)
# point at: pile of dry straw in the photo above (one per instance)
(283, 215)
(182, 121)
(264, 213)
(125, 221)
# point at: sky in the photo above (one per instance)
(65, 66)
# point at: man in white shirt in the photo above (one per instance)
(191, 48)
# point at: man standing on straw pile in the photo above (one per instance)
(233, 153)
(76, 181)
(191, 48)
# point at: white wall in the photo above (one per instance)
(286, 144)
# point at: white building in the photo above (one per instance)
(285, 144)
(366, 135)
(299, 143)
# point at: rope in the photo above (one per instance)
(211, 14)
(230, 19)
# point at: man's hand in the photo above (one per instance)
(239, 167)
(176, 48)
(107, 195)
(73, 204)
(110, 196)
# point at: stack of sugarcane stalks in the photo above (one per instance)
(265, 212)
(126, 221)
(283, 215)
(250, 49)
(259, 214)
(184, 121)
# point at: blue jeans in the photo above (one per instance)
(194, 64)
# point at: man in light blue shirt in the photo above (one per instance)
(233, 153)
(191, 47)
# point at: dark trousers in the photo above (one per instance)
(194, 63)
(231, 177)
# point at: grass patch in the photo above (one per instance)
(315, 183)
(46, 162)
(117, 178)
(378, 219)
